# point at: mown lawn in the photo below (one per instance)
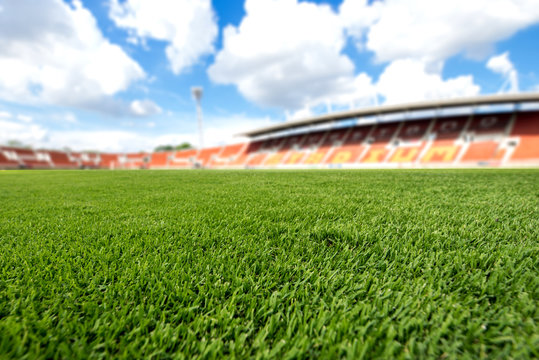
(283, 264)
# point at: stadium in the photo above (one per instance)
(299, 263)
(465, 132)
(364, 183)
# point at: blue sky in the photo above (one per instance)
(115, 75)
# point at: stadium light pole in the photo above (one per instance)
(197, 95)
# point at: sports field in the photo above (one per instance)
(284, 264)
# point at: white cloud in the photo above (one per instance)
(358, 16)
(300, 65)
(435, 30)
(70, 118)
(5, 114)
(106, 141)
(217, 131)
(410, 80)
(287, 54)
(189, 26)
(303, 113)
(502, 65)
(54, 53)
(144, 108)
(23, 132)
(25, 118)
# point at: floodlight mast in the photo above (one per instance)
(197, 95)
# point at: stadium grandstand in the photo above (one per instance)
(495, 131)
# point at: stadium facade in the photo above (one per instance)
(492, 131)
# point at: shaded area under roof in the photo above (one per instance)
(397, 108)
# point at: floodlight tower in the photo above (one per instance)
(197, 95)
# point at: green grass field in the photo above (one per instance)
(283, 264)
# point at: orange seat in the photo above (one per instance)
(160, 159)
(331, 138)
(61, 160)
(441, 151)
(256, 159)
(204, 156)
(108, 161)
(6, 163)
(406, 154)
(527, 129)
(376, 154)
(228, 153)
(87, 160)
(379, 138)
(29, 158)
(241, 160)
(351, 149)
(480, 151)
(310, 142)
(317, 156)
(345, 154)
(286, 147)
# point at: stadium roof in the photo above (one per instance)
(390, 109)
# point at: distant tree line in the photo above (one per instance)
(182, 146)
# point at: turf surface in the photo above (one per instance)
(290, 264)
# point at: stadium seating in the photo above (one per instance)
(488, 124)
(308, 144)
(329, 141)
(133, 161)
(205, 156)
(444, 146)
(159, 160)
(484, 139)
(379, 140)
(481, 151)
(409, 141)
(7, 163)
(441, 152)
(526, 131)
(109, 161)
(61, 160)
(227, 155)
(86, 160)
(242, 158)
(350, 149)
(256, 159)
(28, 158)
(285, 148)
(183, 159)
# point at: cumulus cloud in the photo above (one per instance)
(54, 53)
(144, 108)
(5, 114)
(24, 132)
(358, 16)
(502, 65)
(189, 26)
(411, 80)
(70, 118)
(298, 63)
(217, 131)
(25, 118)
(435, 30)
